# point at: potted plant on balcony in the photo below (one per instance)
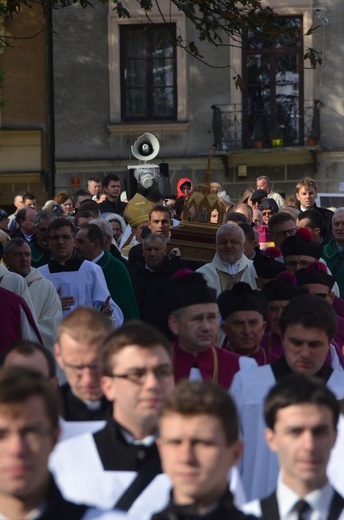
(312, 141)
(277, 136)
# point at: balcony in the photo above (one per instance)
(286, 126)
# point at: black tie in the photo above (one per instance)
(301, 507)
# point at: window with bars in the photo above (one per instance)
(273, 79)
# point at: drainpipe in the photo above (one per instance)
(50, 174)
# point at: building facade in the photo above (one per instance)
(116, 79)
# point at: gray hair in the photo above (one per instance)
(104, 225)
(230, 227)
(338, 210)
(152, 237)
(264, 178)
(44, 215)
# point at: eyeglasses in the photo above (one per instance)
(295, 263)
(287, 233)
(139, 375)
(42, 229)
(78, 369)
(63, 237)
(31, 435)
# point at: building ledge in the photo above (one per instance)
(270, 156)
(142, 127)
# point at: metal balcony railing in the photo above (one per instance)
(260, 128)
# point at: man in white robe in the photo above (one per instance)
(229, 264)
(14, 282)
(100, 468)
(47, 304)
(308, 325)
(78, 282)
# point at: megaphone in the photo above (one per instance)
(145, 177)
(146, 147)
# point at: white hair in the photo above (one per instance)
(230, 227)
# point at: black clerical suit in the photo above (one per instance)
(73, 409)
(224, 510)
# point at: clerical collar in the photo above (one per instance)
(72, 264)
(93, 405)
(191, 509)
(129, 437)
(95, 260)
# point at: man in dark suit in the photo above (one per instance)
(306, 193)
(301, 415)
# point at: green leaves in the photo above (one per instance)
(219, 22)
(314, 57)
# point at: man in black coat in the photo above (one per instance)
(112, 204)
(78, 352)
(306, 193)
(151, 278)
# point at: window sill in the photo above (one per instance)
(147, 126)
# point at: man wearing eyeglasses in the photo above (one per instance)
(78, 351)
(40, 252)
(281, 225)
(114, 466)
(78, 282)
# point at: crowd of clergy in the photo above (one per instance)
(182, 391)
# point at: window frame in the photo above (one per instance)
(149, 30)
(272, 56)
(283, 8)
(116, 125)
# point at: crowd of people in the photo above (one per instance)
(132, 386)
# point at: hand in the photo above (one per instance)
(66, 301)
(174, 252)
(106, 308)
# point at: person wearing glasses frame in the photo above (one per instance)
(281, 225)
(119, 466)
(137, 377)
